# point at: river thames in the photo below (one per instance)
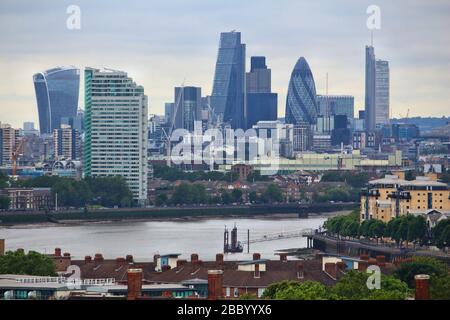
(143, 239)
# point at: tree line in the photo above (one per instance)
(190, 194)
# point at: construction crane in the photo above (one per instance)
(15, 154)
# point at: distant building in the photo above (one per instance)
(168, 112)
(382, 92)
(369, 112)
(116, 129)
(29, 130)
(187, 107)
(10, 139)
(336, 105)
(228, 100)
(301, 103)
(67, 143)
(302, 137)
(29, 198)
(56, 95)
(261, 102)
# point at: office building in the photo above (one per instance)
(116, 126)
(301, 103)
(10, 142)
(369, 111)
(228, 100)
(330, 105)
(261, 102)
(56, 95)
(187, 107)
(382, 92)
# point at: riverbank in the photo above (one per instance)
(170, 214)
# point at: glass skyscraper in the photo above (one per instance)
(369, 111)
(188, 107)
(261, 102)
(336, 105)
(301, 106)
(228, 100)
(56, 95)
(382, 92)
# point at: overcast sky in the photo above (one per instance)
(162, 43)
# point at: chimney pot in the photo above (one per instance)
(129, 258)
(283, 257)
(362, 265)
(256, 256)
(422, 287)
(58, 252)
(194, 257)
(219, 259)
(87, 259)
(67, 254)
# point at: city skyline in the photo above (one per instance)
(153, 58)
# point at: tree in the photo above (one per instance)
(272, 194)
(417, 229)
(4, 202)
(293, 290)
(253, 196)
(161, 199)
(236, 194)
(226, 197)
(33, 263)
(440, 287)
(377, 229)
(441, 234)
(421, 265)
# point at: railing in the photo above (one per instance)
(282, 235)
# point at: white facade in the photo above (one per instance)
(117, 126)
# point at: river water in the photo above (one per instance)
(144, 239)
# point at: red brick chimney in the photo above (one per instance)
(66, 254)
(98, 258)
(87, 259)
(364, 257)
(194, 258)
(422, 287)
(256, 256)
(134, 283)
(283, 257)
(300, 270)
(215, 290)
(2, 247)
(219, 259)
(181, 262)
(121, 261)
(381, 261)
(129, 258)
(362, 265)
(257, 272)
(57, 252)
(372, 262)
(331, 269)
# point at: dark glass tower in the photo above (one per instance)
(188, 107)
(228, 95)
(57, 96)
(301, 104)
(369, 110)
(261, 102)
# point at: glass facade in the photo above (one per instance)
(228, 94)
(188, 107)
(382, 92)
(336, 105)
(369, 111)
(56, 95)
(301, 103)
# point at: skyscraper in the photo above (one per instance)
(333, 105)
(301, 98)
(369, 113)
(116, 125)
(56, 95)
(261, 102)
(228, 100)
(382, 92)
(188, 107)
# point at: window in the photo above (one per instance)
(227, 291)
(236, 292)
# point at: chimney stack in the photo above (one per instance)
(331, 269)
(381, 261)
(256, 256)
(87, 259)
(364, 257)
(300, 270)
(98, 258)
(422, 287)
(362, 265)
(134, 283)
(194, 258)
(129, 258)
(57, 252)
(215, 284)
(2, 247)
(66, 254)
(121, 261)
(219, 259)
(283, 256)
(181, 262)
(257, 272)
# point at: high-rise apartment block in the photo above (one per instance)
(116, 126)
